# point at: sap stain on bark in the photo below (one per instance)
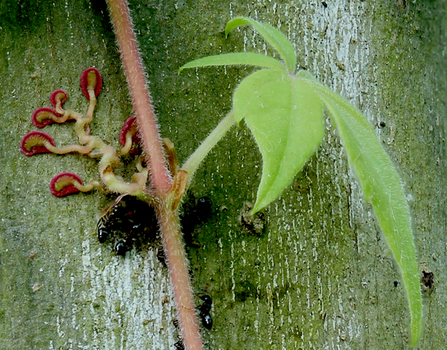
(252, 224)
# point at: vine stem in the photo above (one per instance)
(161, 181)
(178, 270)
(139, 92)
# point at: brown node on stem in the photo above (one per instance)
(91, 80)
(178, 188)
(171, 155)
(36, 142)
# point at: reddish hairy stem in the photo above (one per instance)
(160, 178)
(178, 270)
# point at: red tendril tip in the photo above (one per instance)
(91, 79)
(34, 142)
(63, 184)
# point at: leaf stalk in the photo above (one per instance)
(212, 139)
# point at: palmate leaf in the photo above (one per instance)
(272, 35)
(285, 116)
(383, 188)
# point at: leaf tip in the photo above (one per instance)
(259, 205)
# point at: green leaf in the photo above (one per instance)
(247, 58)
(383, 188)
(306, 75)
(285, 116)
(272, 35)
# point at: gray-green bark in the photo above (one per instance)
(320, 276)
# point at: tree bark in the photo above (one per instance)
(320, 276)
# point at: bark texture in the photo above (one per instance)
(319, 276)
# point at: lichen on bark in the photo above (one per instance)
(319, 277)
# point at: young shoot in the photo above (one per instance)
(284, 111)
